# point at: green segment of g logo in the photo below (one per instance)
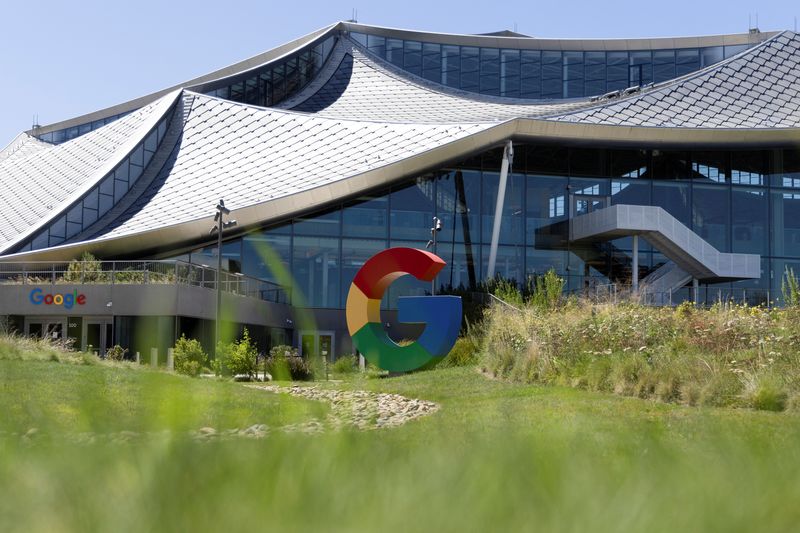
(440, 314)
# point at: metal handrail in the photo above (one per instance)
(156, 272)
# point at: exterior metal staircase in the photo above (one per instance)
(691, 256)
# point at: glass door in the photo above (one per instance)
(317, 344)
(44, 328)
(99, 336)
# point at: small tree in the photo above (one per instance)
(190, 358)
(87, 269)
(242, 357)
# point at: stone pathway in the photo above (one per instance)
(360, 409)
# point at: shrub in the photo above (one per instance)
(790, 287)
(190, 358)
(242, 357)
(285, 364)
(87, 269)
(464, 353)
(769, 394)
(347, 364)
(546, 290)
(116, 353)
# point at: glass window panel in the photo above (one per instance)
(786, 223)
(405, 285)
(509, 73)
(629, 163)
(42, 241)
(278, 83)
(663, 65)
(616, 70)
(432, 62)
(89, 216)
(58, 227)
(711, 214)
(490, 71)
(137, 156)
(250, 92)
(411, 213)
(669, 165)
(732, 50)
(315, 268)
(686, 61)
(394, 51)
(368, 217)
(470, 66)
(292, 77)
(641, 71)
(358, 37)
(711, 55)
(512, 215)
(545, 160)
(458, 205)
(710, 166)
(412, 57)
(530, 74)
(328, 223)
(356, 252)
(107, 186)
(509, 263)
(134, 173)
(674, 198)
(84, 128)
(451, 66)
(237, 91)
(162, 130)
(265, 79)
(120, 188)
(750, 233)
(552, 77)
(749, 167)
(266, 255)
(463, 269)
(377, 45)
(587, 162)
(546, 211)
(90, 201)
(788, 169)
(573, 74)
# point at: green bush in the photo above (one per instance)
(242, 357)
(284, 364)
(347, 364)
(190, 358)
(116, 353)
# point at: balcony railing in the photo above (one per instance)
(139, 273)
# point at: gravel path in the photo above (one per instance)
(360, 409)
(349, 409)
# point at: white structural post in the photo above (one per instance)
(154, 357)
(138, 358)
(696, 290)
(170, 359)
(508, 157)
(635, 279)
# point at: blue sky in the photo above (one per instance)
(62, 59)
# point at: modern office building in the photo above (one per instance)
(669, 164)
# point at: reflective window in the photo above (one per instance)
(366, 218)
(432, 62)
(749, 224)
(513, 216)
(711, 215)
(412, 212)
(319, 224)
(674, 198)
(490, 71)
(458, 205)
(785, 207)
(356, 252)
(267, 255)
(315, 267)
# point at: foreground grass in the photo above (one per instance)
(497, 456)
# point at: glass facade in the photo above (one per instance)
(99, 200)
(540, 74)
(740, 201)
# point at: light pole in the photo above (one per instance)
(219, 226)
(436, 228)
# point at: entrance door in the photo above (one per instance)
(317, 344)
(53, 328)
(99, 336)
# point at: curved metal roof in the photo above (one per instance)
(363, 124)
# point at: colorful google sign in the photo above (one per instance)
(440, 314)
(68, 299)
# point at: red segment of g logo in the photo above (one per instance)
(440, 314)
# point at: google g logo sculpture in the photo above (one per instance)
(440, 314)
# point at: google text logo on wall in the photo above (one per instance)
(66, 300)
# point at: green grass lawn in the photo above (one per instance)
(495, 457)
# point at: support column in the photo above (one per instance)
(635, 277)
(695, 290)
(508, 157)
